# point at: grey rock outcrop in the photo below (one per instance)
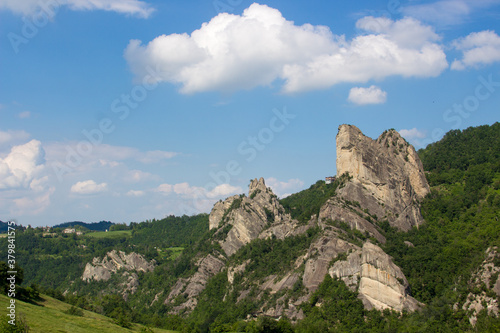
(319, 256)
(388, 177)
(115, 261)
(486, 277)
(249, 216)
(208, 266)
(101, 269)
(379, 282)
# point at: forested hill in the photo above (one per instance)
(96, 226)
(462, 149)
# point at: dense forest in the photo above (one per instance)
(461, 222)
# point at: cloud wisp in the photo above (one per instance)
(365, 96)
(31, 7)
(446, 13)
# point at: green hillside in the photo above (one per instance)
(50, 317)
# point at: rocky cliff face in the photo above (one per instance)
(388, 177)
(101, 269)
(247, 217)
(114, 261)
(485, 287)
(380, 283)
(190, 288)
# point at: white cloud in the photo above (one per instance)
(364, 96)
(88, 187)
(155, 156)
(193, 199)
(284, 189)
(478, 48)
(21, 165)
(235, 52)
(32, 206)
(12, 136)
(414, 136)
(413, 133)
(136, 176)
(224, 190)
(40, 184)
(135, 193)
(67, 154)
(447, 12)
(50, 7)
(191, 192)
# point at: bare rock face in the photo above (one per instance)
(249, 216)
(101, 269)
(218, 211)
(380, 283)
(485, 276)
(319, 256)
(388, 177)
(192, 287)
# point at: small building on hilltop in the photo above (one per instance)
(330, 180)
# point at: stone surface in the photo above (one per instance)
(388, 177)
(487, 276)
(319, 256)
(380, 283)
(249, 216)
(208, 266)
(101, 269)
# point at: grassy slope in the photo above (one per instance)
(51, 318)
(110, 234)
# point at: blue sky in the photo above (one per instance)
(132, 110)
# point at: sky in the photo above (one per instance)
(135, 109)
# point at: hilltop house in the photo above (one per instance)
(330, 180)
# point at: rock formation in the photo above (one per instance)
(114, 261)
(388, 177)
(380, 283)
(485, 286)
(248, 216)
(101, 269)
(192, 287)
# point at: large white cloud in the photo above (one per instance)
(364, 96)
(478, 48)
(50, 7)
(88, 187)
(234, 52)
(20, 167)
